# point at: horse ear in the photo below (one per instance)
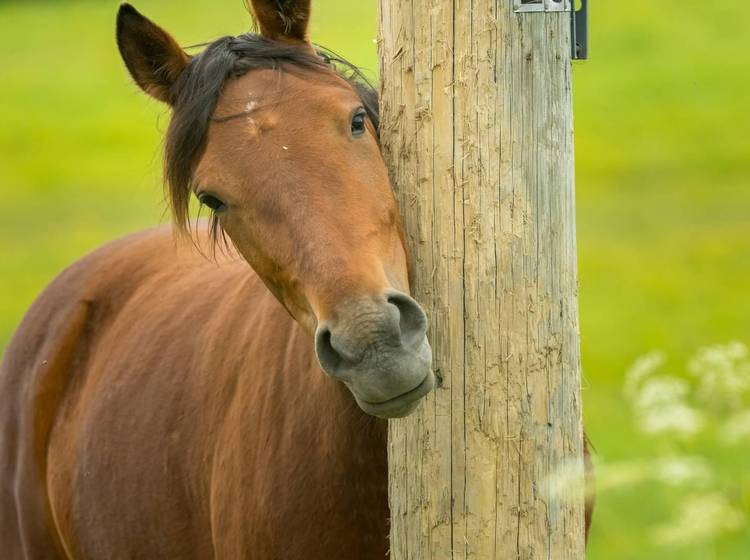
(282, 20)
(152, 56)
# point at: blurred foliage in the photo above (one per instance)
(688, 414)
(662, 119)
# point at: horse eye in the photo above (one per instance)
(212, 202)
(358, 123)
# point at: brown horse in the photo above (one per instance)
(158, 404)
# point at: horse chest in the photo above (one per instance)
(310, 489)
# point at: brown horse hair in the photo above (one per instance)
(195, 93)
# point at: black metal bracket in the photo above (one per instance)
(579, 20)
(579, 31)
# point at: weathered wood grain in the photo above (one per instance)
(477, 131)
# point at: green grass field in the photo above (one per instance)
(663, 158)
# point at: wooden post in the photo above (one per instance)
(477, 131)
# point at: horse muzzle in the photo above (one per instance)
(378, 348)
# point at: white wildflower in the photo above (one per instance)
(737, 428)
(701, 518)
(683, 470)
(679, 419)
(660, 407)
(662, 391)
(640, 370)
(736, 350)
(723, 374)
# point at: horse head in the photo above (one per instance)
(283, 149)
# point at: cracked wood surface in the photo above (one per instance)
(477, 131)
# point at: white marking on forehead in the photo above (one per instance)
(265, 121)
(251, 105)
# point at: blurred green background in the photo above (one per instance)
(662, 114)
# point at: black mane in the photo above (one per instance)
(197, 91)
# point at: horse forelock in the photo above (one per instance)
(196, 93)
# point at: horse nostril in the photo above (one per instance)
(412, 320)
(330, 360)
(373, 331)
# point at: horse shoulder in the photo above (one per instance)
(44, 366)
